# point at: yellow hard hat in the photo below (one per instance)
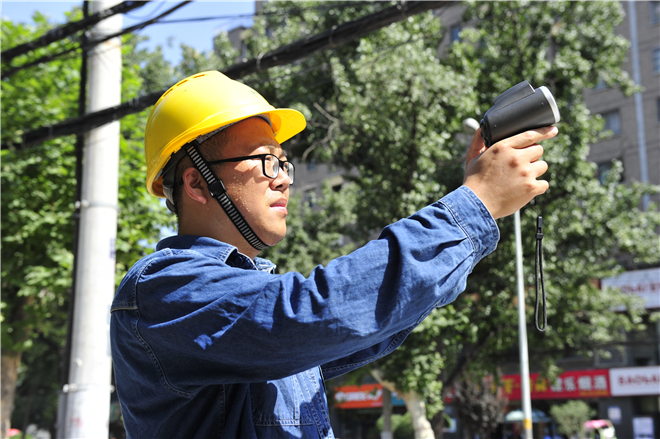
(198, 105)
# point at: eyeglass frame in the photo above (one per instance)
(280, 164)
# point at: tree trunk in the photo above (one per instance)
(417, 409)
(439, 423)
(9, 375)
(414, 404)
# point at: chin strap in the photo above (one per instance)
(218, 191)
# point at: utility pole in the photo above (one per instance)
(88, 390)
(522, 334)
(470, 126)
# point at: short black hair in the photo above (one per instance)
(210, 150)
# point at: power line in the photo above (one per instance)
(159, 6)
(68, 29)
(6, 73)
(335, 36)
(287, 54)
(90, 44)
(256, 14)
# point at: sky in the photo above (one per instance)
(169, 36)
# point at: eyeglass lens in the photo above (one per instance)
(272, 167)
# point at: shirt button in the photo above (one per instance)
(325, 431)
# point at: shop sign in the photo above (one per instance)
(573, 384)
(642, 283)
(630, 381)
(643, 428)
(364, 396)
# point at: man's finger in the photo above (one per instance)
(530, 137)
(476, 147)
(531, 153)
(539, 168)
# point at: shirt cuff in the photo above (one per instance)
(474, 218)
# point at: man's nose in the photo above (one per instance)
(281, 182)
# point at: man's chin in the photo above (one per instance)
(274, 238)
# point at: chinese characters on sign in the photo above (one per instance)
(573, 384)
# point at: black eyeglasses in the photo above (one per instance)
(270, 165)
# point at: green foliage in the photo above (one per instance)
(38, 383)
(193, 61)
(383, 107)
(570, 417)
(480, 405)
(389, 112)
(38, 191)
(591, 230)
(402, 427)
(314, 234)
(37, 195)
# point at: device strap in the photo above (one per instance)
(538, 274)
(218, 191)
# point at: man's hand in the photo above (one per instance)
(504, 176)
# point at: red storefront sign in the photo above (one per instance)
(574, 384)
(362, 397)
(358, 397)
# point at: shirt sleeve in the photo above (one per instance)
(233, 325)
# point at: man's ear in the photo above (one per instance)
(195, 186)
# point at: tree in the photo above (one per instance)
(38, 188)
(480, 406)
(387, 110)
(570, 417)
(401, 426)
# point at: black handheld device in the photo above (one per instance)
(519, 109)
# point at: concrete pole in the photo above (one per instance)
(387, 414)
(522, 335)
(88, 402)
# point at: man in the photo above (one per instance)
(208, 342)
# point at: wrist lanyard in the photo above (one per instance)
(538, 275)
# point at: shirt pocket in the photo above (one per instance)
(279, 403)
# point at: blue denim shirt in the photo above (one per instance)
(207, 343)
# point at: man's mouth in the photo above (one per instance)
(280, 206)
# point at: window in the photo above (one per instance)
(601, 84)
(613, 122)
(311, 165)
(610, 356)
(455, 33)
(655, 12)
(656, 60)
(603, 171)
(310, 197)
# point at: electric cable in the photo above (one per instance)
(68, 29)
(91, 44)
(287, 54)
(255, 14)
(159, 6)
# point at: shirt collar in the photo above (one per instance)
(217, 249)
